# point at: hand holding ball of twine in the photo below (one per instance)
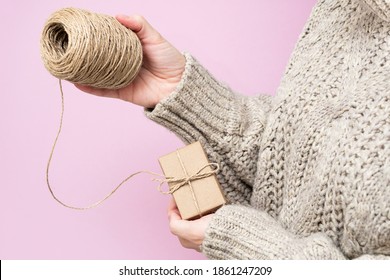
(122, 57)
(102, 56)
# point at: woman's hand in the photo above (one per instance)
(160, 73)
(190, 233)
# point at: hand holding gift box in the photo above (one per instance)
(192, 181)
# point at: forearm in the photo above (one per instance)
(228, 125)
(238, 232)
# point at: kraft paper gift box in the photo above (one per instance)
(195, 197)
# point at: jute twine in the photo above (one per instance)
(96, 50)
(175, 183)
(90, 49)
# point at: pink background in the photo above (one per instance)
(245, 44)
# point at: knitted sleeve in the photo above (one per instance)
(239, 232)
(228, 125)
(379, 7)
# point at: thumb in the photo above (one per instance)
(139, 25)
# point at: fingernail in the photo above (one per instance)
(122, 16)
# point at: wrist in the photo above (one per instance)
(173, 81)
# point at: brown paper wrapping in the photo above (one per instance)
(198, 197)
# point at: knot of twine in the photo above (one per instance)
(90, 49)
(180, 182)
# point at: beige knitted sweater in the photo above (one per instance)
(306, 172)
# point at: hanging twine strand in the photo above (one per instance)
(90, 49)
(51, 157)
(176, 183)
(96, 50)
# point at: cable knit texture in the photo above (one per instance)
(307, 171)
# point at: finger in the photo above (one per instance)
(132, 22)
(189, 245)
(139, 25)
(98, 91)
(173, 211)
(172, 205)
(178, 226)
(174, 219)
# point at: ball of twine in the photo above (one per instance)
(90, 49)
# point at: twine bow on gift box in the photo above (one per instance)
(177, 183)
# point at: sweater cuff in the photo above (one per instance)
(239, 232)
(199, 106)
